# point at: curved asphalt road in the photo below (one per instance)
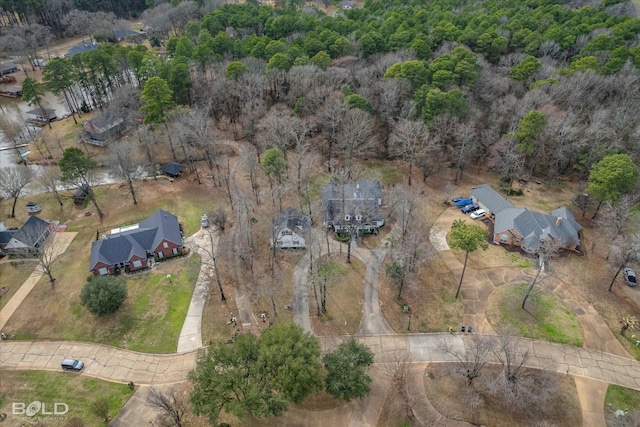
(114, 364)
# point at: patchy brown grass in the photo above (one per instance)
(449, 394)
(344, 299)
(430, 299)
(12, 274)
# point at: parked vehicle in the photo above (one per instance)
(630, 277)
(469, 208)
(464, 202)
(72, 365)
(204, 221)
(479, 213)
(457, 199)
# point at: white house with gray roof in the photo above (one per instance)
(527, 229)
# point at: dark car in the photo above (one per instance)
(457, 199)
(469, 208)
(464, 202)
(630, 277)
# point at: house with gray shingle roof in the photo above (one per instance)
(527, 229)
(28, 240)
(81, 48)
(353, 206)
(102, 127)
(289, 229)
(137, 246)
(489, 199)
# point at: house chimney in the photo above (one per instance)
(558, 220)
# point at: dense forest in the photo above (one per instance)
(539, 88)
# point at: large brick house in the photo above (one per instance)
(527, 229)
(137, 246)
(353, 206)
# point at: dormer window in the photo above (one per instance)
(347, 217)
(358, 217)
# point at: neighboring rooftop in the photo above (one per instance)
(490, 198)
(81, 48)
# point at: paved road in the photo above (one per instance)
(114, 364)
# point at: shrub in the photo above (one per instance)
(103, 294)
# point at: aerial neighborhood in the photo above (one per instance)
(337, 213)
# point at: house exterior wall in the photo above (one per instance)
(509, 237)
(101, 265)
(167, 251)
(143, 262)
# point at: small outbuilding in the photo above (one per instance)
(8, 68)
(172, 169)
(41, 115)
(80, 195)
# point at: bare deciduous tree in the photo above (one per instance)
(330, 120)
(402, 374)
(474, 358)
(173, 406)
(409, 142)
(356, 138)
(126, 166)
(623, 251)
(50, 181)
(13, 180)
(548, 250)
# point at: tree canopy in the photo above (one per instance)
(346, 367)
(257, 375)
(103, 295)
(612, 176)
(469, 238)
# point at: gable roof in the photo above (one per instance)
(29, 234)
(120, 247)
(8, 67)
(490, 198)
(293, 219)
(535, 227)
(103, 122)
(360, 198)
(121, 34)
(50, 112)
(81, 48)
(172, 168)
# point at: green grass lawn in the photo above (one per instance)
(77, 391)
(622, 398)
(153, 314)
(544, 317)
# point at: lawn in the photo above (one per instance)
(151, 301)
(544, 317)
(77, 391)
(12, 274)
(621, 398)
